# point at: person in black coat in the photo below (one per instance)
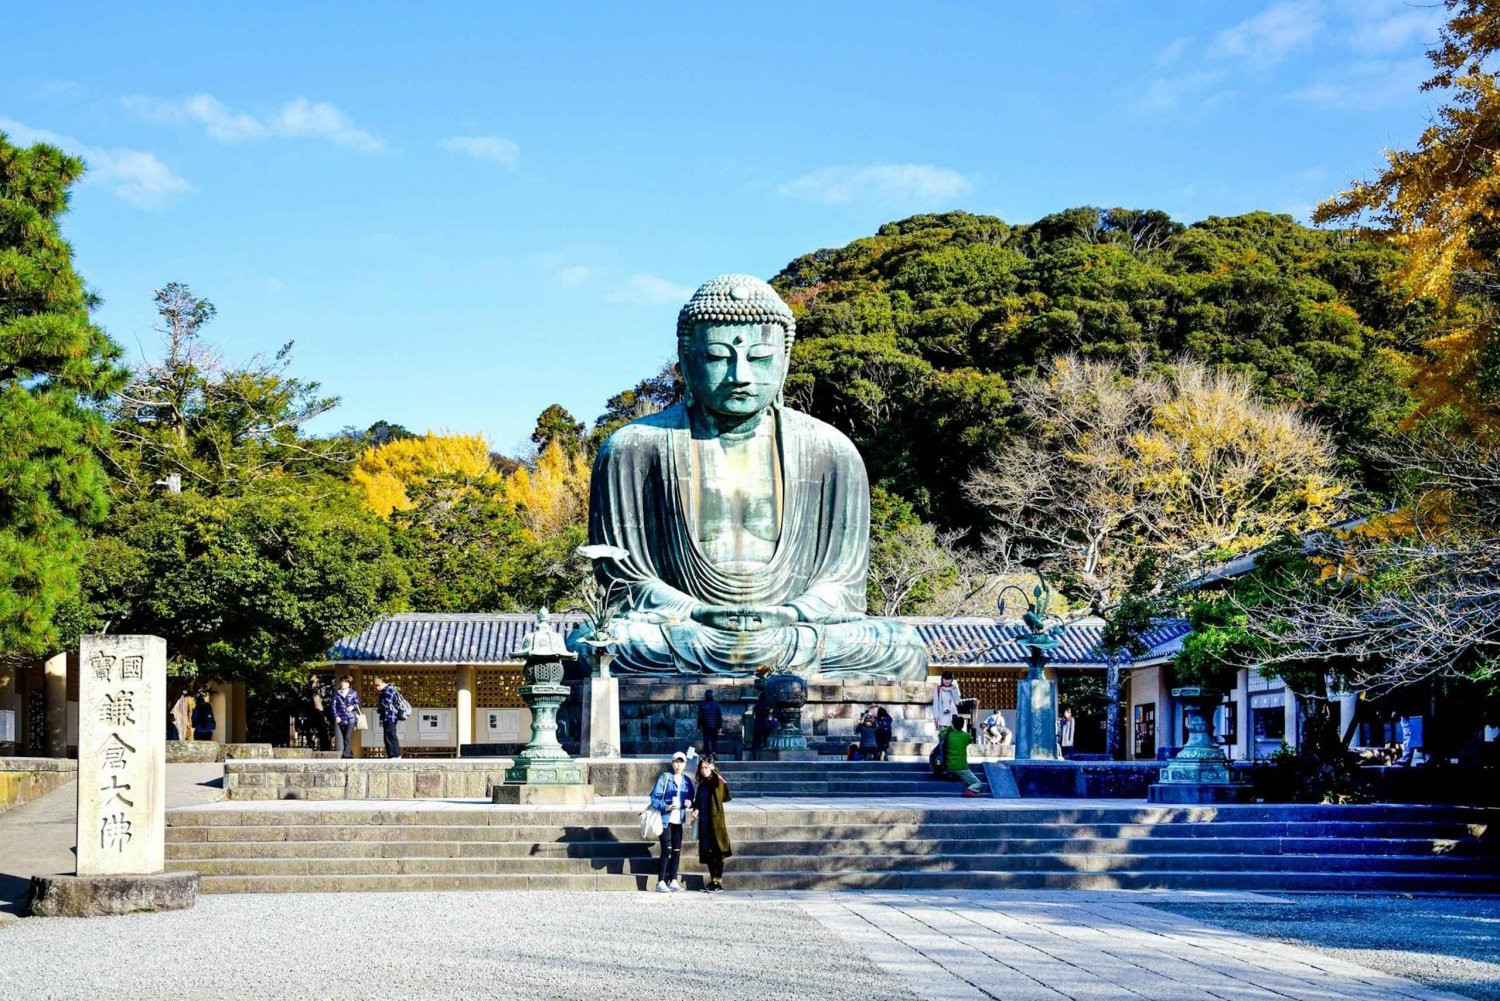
(883, 729)
(203, 720)
(761, 726)
(710, 722)
(713, 827)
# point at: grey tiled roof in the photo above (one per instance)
(986, 642)
(441, 638)
(491, 638)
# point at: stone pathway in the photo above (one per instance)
(1021, 946)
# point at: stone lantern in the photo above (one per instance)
(543, 772)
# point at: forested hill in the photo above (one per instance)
(908, 339)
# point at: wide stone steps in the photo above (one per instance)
(396, 847)
(1162, 846)
(945, 862)
(823, 779)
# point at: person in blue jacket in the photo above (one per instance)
(672, 796)
(346, 713)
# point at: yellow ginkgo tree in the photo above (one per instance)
(386, 473)
(1440, 203)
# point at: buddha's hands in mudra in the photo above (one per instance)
(745, 618)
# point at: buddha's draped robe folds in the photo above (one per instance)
(642, 500)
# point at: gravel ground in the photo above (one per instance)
(1447, 943)
(511, 946)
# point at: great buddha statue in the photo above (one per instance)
(744, 525)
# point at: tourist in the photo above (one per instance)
(945, 701)
(172, 733)
(1065, 728)
(993, 729)
(883, 729)
(388, 708)
(713, 826)
(346, 714)
(956, 741)
(869, 744)
(761, 722)
(204, 723)
(317, 714)
(672, 797)
(710, 722)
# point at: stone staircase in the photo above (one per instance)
(291, 846)
(827, 779)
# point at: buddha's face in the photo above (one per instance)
(735, 369)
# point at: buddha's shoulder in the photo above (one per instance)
(810, 429)
(646, 432)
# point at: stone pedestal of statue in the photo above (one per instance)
(1036, 720)
(122, 787)
(601, 719)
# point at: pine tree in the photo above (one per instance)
(56, 366)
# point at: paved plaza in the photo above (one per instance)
(855, 945)
(1015, 946)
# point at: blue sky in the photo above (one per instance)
(464, 212)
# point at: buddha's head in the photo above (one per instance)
(734, 338)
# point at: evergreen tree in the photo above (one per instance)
(55, 367)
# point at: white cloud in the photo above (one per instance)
(500, 150)
(573, 275)
(1190, 90)
(1273, 33)
(1368, 86)
(133, 175)
(1173, 51)
(886, 183)
(649, 290)
(297, 119)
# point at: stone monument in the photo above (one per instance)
(543, 772)
(744, 524)
(601, 695)
(122, 787)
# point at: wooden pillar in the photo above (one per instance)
(237, 722)
(219, 700)
(55, 702)
(465, 714)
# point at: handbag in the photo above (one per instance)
(360, 723)
(650, 822)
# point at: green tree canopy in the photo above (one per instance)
(910, 338)
(55, 367)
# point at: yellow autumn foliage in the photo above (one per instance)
(1440, 203)
(385, 473)
(1228, 471)
(552, 493)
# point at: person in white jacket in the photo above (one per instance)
(945, 701)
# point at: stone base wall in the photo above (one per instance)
(659, 717)
(25, 779)
(376, 778)
(372, 778)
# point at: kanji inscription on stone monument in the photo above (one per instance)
(122, 771)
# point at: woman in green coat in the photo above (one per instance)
(713, 828)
